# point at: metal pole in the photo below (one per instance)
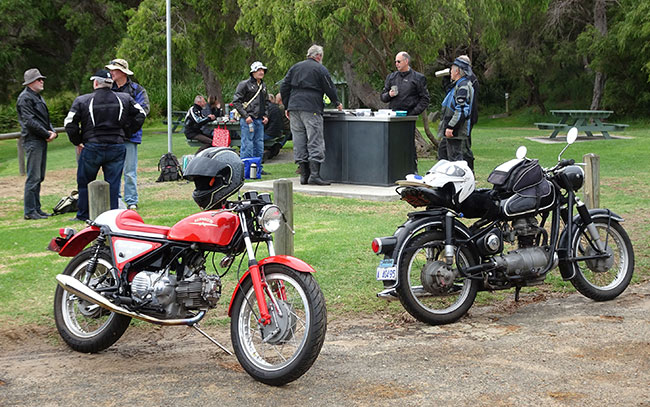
(169, 77)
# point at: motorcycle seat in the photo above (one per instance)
(130, 220)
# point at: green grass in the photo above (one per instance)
(332, 234)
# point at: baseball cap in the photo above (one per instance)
(102, 75)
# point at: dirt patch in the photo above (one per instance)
(554, 350)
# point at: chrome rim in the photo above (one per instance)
(604, 274)
(287, 344)
(81, 317)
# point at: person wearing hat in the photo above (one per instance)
(120, 73)
(36, 131)
(100, 122)
(302, 91)
(455, 123)
(250, 101)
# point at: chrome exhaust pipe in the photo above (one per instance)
(76, 287)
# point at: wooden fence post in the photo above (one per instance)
(592, 180)
(283, 197)
(99, 200)
(21, 156)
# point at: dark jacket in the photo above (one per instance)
(139, 94)
(304, 85)
(245, 92)
(106, 117)
(194, 120)
(33, 116)
(412, 92)
(275, 125)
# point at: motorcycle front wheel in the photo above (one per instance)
(428, 290)
(606, 278)
(285, 349)
(84, 326)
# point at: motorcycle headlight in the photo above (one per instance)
(270, 218)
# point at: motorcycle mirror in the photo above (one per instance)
(521, 152)
(572, 135)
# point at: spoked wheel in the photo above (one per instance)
(284, 350)
(605, 278)
(428, 289)
(84, 326)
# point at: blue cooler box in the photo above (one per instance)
(247, 167)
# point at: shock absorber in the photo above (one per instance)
(449, 247)
(92, 263)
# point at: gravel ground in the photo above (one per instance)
(550, 351)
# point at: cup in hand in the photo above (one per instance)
(394, 89)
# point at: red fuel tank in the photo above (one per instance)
(212, 227)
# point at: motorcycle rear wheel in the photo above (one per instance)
(431, 308)
(603, 279)
(289, 353)
(84, 326)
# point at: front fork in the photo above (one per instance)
(259, 284)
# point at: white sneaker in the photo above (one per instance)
(133, 207)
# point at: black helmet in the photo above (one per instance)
(217, 172)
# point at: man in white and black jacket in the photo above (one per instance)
(99, 122)
(195, 120)
(250, 101)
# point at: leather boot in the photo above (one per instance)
(304, 172)
(314, 177)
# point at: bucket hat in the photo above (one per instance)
(31, 75)
(120, 64)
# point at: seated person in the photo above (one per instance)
(194, 122)
(273, 128)
(213, 107)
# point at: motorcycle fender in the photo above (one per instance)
(566, 269)
(80, 240)
(414, 225)
(287, 261)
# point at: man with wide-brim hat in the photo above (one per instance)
(120, 73)
(36, 132)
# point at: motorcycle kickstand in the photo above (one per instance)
(517, 290)
(196, 326)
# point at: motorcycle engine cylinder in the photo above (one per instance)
(530, 261)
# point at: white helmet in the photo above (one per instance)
(444, 172)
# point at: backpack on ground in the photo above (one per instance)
(66, 204)
(170, 169)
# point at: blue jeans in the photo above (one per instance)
(252, 144)
(36, 156)
(131, 173)
(108, 157)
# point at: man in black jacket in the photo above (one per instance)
(106, 118)
(195, 120)
(406, 89)
(36, 132)
(302, 91)
(250, 101)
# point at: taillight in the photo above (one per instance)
(383, 245)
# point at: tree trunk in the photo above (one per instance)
(426, 120)
(534, 98)
(600, 23)
(212, 84)
(368, 96)
(422, 147)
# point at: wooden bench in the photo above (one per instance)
(178, 120)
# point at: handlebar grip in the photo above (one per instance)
(565, 163)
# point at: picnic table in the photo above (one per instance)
(587, 121)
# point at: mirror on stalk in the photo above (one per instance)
(572, 135)
(521, 152)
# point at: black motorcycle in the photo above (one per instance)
(530, 222)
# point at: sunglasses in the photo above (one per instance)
(118, 63)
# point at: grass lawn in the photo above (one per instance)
(332, 234)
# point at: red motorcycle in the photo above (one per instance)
(158, 274)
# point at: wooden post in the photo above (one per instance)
(283, 197)
(592, 180)
(21, 156)
(99, 200)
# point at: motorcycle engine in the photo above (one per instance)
(161, 290)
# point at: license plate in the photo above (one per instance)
(387, 270)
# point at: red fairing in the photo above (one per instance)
(212, 227)
(289, 261)
(79, 241)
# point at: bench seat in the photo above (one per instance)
(551, 126)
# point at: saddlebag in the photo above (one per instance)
(522, 187)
